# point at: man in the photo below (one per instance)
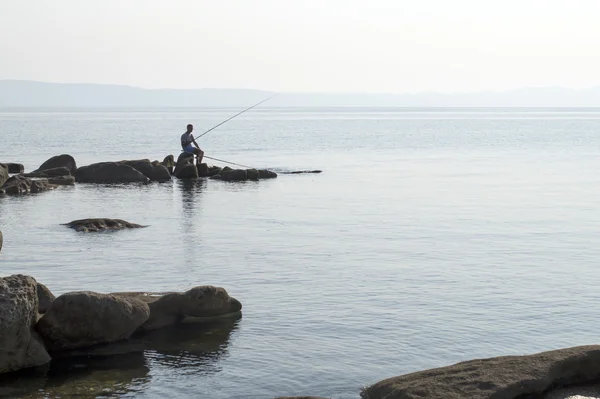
(186, 143)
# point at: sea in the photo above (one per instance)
(432, 236)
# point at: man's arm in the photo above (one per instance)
(194, 141)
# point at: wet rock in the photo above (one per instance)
(203, 302)
(234, 175)
(20, 346)
(81, 319)
(213, 170)
(252, 174)
(54, 172)
(3, 174)
(109, 172)
(154, 172)
(266, 174)
(203, 170)
(14, 168)
(508, 377)
(169, 163)
(45, 298)
(58, 161)
(19, 184)
(185, 168)
(101, 224)
(62, 180)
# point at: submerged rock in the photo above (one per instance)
(109, 172)
(20, 347)
(203, 302)
(266, 174)
(81, 319)
(101, 224)
(58, 161)
(509, 377)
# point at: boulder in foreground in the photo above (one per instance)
(507, 377)
(20, 347)
(100, 224)
(81, 319)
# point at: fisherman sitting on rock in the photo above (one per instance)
(186, 143)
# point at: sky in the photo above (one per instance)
(383, 46)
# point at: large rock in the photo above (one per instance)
(81, 319)
(169, 163)
(109, 172)
(204, 302)
(3, 174)
(185, 168)
(18, 184)
(153, 171)
(99, 224)
(507, 377)
(45, 298)
(53, 172)
(20, 346)
(15, 168)
(58, 161)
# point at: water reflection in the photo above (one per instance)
(191, 192)
(110, 371)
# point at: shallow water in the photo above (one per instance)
(431, 237)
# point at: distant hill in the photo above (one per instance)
(19, 93)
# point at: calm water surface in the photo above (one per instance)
(431, 237)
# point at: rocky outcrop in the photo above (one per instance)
(228, 174)
(204, 302)
(20, 346)
(169, 163)
(53, 172)
(95, 225)
(58, 161)
(509, 377)
(81, 319)
(109, 172)
(185, 168)
(18, 184)
(45, 298)
(153, 171)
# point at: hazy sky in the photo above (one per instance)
(304, 45)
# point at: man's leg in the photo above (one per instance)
(200, 155)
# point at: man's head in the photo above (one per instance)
(190, 128)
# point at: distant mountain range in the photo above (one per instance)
(20, 93)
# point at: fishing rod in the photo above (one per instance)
(294, 172)
(239, 113)
(232, 163)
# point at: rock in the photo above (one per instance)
(185, 168)
(14, 168)
(266, 174)
(500, 377)
(54, 172)
(154, 172)
(45, 298)
(62, 180)
(203, 302)
(18, 184)
(58, 161)
(20, 346)
(109, 172)
(234, 175)
(203, 170)
(252, 174)
(3, 174)
(169, 163)
(1, 240)
(213, 170)
(94, 225)
(81, 319)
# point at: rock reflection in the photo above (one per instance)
(110, 371)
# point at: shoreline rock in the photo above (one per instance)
(101, 224)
